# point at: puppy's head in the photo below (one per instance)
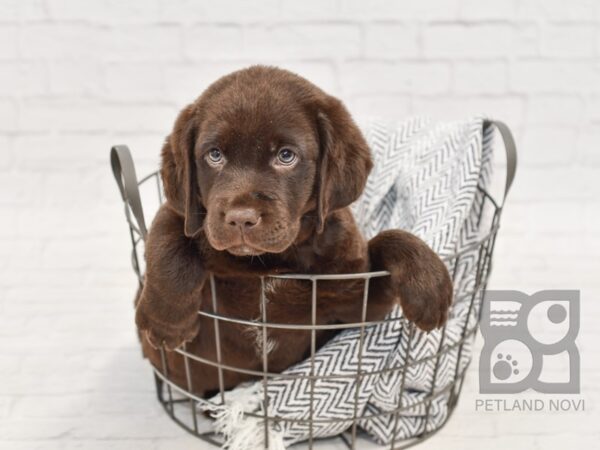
(258, 153)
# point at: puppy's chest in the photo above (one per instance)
(285, 302)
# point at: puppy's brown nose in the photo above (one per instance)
(243, 218)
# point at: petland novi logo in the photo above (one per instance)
(529, 342)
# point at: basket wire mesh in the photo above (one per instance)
(181, 404)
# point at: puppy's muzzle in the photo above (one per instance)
(242, 218)
(239, 223)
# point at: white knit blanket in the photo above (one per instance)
(425, 180)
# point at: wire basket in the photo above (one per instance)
(182, 405)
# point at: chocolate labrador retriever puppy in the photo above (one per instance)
(258, 174)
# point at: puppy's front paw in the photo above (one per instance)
(425, 299)
(418, 277)
(165, 328)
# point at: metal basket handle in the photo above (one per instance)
(511, 153)
(124, 172)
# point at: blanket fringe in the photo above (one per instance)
(249, 434)
(240, 431)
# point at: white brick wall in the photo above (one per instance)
(76, 77)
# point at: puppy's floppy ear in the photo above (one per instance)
(345, 159)
(178, 171)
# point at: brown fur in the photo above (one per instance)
(248, 215)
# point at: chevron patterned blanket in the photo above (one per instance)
(425, 180)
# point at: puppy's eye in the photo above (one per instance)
(215, 155)
(286, 156)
